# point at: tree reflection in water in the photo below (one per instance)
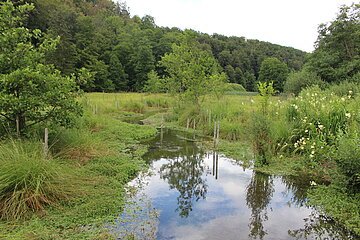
(184, 173)
(321, 227)
(259, 193)
(296, 188)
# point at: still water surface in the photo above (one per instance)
(192, 194)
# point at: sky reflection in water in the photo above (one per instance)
(200, 195)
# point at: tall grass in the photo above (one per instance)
(112, 103)
(28, 181)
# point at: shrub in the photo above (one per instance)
(347, 157)
(322, 125)
(154, 84)
(233, 88)
(261, 139)
(297, 81)
(316, 112)
(345, 89)
(28, 181)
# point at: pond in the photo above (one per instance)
(189, 193)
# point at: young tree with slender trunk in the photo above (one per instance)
(31, 91)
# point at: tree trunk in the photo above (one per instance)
(20, 123)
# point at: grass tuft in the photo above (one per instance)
(28, 181)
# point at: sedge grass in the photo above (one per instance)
(28, 181)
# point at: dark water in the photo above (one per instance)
(192, 194)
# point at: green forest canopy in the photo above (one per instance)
(121, 50)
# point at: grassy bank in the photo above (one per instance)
(315, 134)
(79, 188)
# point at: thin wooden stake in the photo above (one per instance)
(46, 143)
(187, 124)
(17, 126)
(215, 133)
(217, 166)
(161, 136)
(218, 133)
(162, 121)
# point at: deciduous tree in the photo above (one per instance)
(273, 70)
(31, 91)
(337, 53)
(191, 71)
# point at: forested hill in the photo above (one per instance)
(120, 50)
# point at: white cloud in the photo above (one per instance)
(290, 23)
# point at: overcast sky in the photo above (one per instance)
(286, 22)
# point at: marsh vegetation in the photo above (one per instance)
(273, 117)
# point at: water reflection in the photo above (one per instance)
(258, 196)
(322, 227)
(203, 195)
(185, 175)
(296, 189)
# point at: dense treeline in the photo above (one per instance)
(336, 58)
(120, 50)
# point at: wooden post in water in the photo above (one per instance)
(161, 129)
(187, 124)
(213, 163)
(161, 136)
(215, 134)
(217, 166)
(194, 128)
(46, 142)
